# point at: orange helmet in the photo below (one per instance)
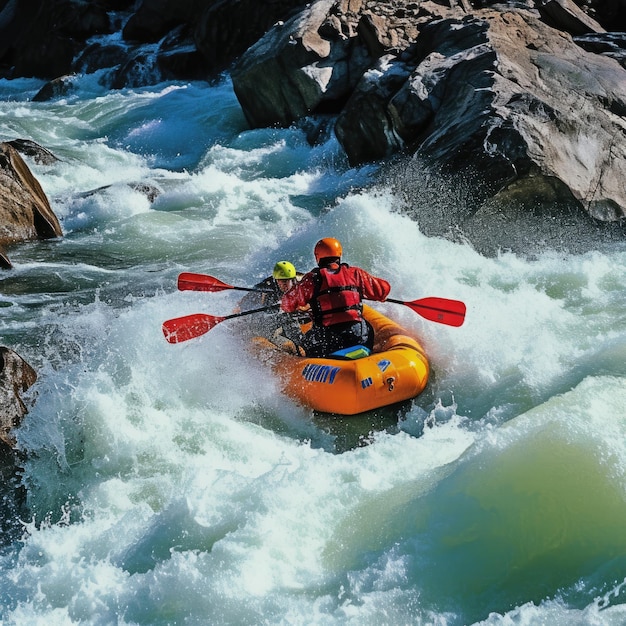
(327, 247)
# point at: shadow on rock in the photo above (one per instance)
(16, 376)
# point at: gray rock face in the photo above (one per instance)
(16, 376)
(293, 70)
(496, 96)
(542, 108)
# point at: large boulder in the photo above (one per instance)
(516, 99)
(293, 70)
(25, 212)
(16, 376)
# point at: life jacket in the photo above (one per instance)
(335, 299)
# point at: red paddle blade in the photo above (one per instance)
(189, 327)
(188, 281)
(442, 310)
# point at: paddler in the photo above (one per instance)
(281, 328)
(335, 291)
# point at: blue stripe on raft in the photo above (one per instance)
(320, 373)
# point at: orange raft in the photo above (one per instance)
(396, 370)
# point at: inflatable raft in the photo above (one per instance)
(396, 370)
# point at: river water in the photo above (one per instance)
(175, 484)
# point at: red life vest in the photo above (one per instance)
(336, 298)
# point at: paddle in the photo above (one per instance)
(188, 281)
(188, 327)
(441, 310)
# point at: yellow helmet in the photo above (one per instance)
(283, 270)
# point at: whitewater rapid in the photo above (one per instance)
(175, 484)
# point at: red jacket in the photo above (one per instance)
(335, 293)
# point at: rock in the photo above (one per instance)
(535, 213)
(293, 71)
(491, 97)
(312, 63)
(608, 44)
(226, 28)
(215, 29)
(5, 262)
(182, 62)
(99, 55)
(41, 38)
(364, 127)
(154, 19)
(150, 191)
(139, 69)
(16, 376)
(56, 88)
(25, 212)
(565, 15)
(41, 155)
(610, 13)
(526, 102)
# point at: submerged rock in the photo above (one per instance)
(57, 88)
(38, 153)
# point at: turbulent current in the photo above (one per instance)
(175, 484)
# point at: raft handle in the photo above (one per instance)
(390, 381)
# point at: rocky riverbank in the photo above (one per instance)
(521, 102)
